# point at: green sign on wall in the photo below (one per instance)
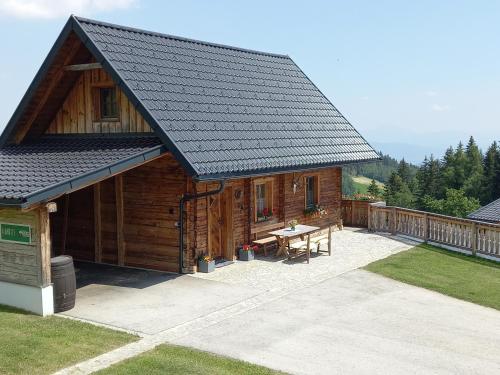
(17, 233)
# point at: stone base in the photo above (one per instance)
(39, 300)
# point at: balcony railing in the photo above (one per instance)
(464, 235)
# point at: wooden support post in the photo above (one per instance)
(45, 245)
(64, 228)
(426, 228)
(394, 224)
(97, 223)
(369, 224)
(119, 219)
(474, 238)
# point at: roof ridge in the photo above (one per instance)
(179, 38)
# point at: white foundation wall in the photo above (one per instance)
(39, 300)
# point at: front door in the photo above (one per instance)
(220, 225)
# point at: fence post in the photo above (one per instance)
(369, 224)
(426, 228)
(474, 238)
(393, 221)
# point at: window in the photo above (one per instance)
(107, 106)
(312, 191)
(263, 199)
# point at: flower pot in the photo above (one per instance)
(246, 255)
(206, 267)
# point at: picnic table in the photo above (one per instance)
(283, 237)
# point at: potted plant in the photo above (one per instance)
(206, 264)
(247, 252)
(266, 214)
(293, 223)
(315, 211)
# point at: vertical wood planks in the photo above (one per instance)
(119, 220)
(97, 223)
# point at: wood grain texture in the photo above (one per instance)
(77, 114)
(21, 263)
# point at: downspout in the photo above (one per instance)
(183, 200)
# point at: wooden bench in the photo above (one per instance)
(321, 237)
(260, 233)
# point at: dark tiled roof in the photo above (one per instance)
(55, 163)
(490, 213)
(225, 111)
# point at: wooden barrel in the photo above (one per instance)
(64, 282)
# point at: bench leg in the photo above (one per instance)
(265, 250)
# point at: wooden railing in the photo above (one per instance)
(451, 232)
(355, 212)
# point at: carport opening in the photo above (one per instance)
(127, 220)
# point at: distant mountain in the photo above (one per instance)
(412, 153)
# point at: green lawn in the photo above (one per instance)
(172, 360)
(465, 277)
(31, 344)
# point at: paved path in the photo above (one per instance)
(311, 319)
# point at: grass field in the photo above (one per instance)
(173, 360)
(31, 344)
(465, 277)
(361, 184)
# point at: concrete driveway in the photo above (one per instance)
(361, 323)
(322, 318)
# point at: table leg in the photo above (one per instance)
(281, 245)
(308, 250)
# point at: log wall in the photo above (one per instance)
(149, 234)
(77, 112)
(289, 205)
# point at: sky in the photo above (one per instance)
(412, 76)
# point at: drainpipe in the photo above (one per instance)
(183, 200)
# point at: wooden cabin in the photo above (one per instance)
(141, 149)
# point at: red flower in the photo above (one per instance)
(265, 212)
(255, 247)
(246, 247)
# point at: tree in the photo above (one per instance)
(373, 189)
(473, 169)
(448, 168)
(397, 192)
(488, 191)
(455, 203)
(460, 167)
(347, 184)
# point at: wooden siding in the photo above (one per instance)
(150, 238)
(77, 112)
(25, 264)
(151, 200)
(289, 205)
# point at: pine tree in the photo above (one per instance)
(473, 170)
(448, 168)
(373, 189)
(489, 174)
(460, 167)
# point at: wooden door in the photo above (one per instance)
(215, 221)
(220, 225)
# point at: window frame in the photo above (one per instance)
(316, 187)
(269, 193)
(97, 94)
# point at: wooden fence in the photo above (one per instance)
(355, 213)
(469, 236)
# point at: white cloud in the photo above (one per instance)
(440, 108)
(431, 93)
(59, 8)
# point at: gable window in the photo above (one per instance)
(311, 191)
(106, 104)
(263, 199)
